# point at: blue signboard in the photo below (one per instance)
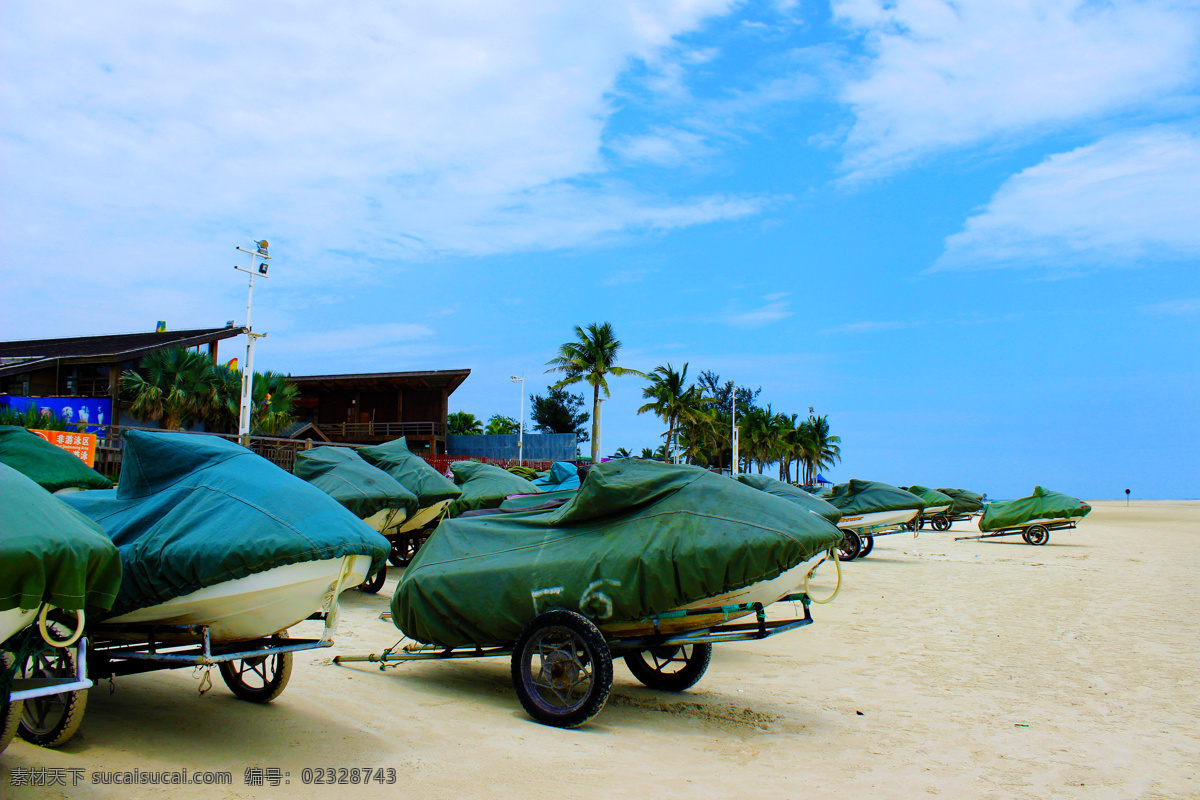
(93, 411)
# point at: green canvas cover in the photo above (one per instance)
(192, 511)
(638, 538)
(362, 488)
(485, 486)
(562, 475)
(866, 497)
(528, 473)
(49, 466)
(524, 502)
(964, 502)
(1042, 504)
(793, 494)
(412, 471)
(932, 498)
(51, 553)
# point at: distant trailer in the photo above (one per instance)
(1033, 532)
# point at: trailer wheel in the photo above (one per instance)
(670, 668)
(850, 545)
(260, 679)
(941, 523)
(1036, 535)
(562, 669)
(10, 712)
(868, 544)
(912, 525)
(374, 582)
(406, 545)
(52, 719)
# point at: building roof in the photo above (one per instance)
(429, 380)
(31, 354)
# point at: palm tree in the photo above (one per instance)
(272, 410)
(463, 423)
(588, 359)
(671, 401)
(500, 424)
(174, 387)
(822, 449)
(622, 452)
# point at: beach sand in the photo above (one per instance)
(975, 669)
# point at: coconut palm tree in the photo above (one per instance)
(622, 452)
(588, 359)
(173, 387)
(463, 423)
(821, 449)
(500, 424)
(671, 401)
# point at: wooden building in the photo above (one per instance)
(377, 407)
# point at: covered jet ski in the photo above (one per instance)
(434, 490)
(51, 467)
(871, 509)
(562, 475)
(211, 534)
(794, 494)
(51, 557)
(965, 502)
(937, 504)
(368, 492)
(1033, 517)
(485, 486)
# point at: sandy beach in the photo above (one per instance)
(975, 669)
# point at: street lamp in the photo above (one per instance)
(521, 423)
(734, 434)
(247, 402)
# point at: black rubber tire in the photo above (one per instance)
(850, 546)
(397, 557)
(10, 713)
(867, 545)
(569, 650)
(691, 661)
(258, 680)
(1036, 535)
(374, 582)
(911, 525)
(941, 523)
(51, 720)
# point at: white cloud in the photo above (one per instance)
(134, 135)
(775, 309)
(1126, 198)
(1181, 307)
(867, 326)
(944, 74)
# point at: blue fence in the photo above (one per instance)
(538, 446)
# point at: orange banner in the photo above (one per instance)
(79, 444)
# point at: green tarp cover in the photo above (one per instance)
(528, 473)
(485, 486)
(964, 502)
(794, 494)
(1042, 504)
(49, 466)
(562, 475)
(192, 511)
(51, 553)
(931, 497)
(639, 538)
(866, 497)
(524, 502)
(412, 471)
(342, 474)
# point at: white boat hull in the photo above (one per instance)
(386, 519)
(422, 518)
(765, 592)
(14, 621)
(929, 512)
(260, 604)
(877, 518)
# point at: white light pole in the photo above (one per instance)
(247, 401)
(521, 423)
(734, 469)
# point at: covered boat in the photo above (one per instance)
(434, 490)
(50, 556)
(49, 466)
(867, 504)
(965, 502)
(485, 486)
(638, 538)
(562, 475)
(793, 494)
(1042, 508)
(936, 502)
(211, 534)
(366, 491)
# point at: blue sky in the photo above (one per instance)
(968, 232)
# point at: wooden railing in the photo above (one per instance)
(386, 430)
